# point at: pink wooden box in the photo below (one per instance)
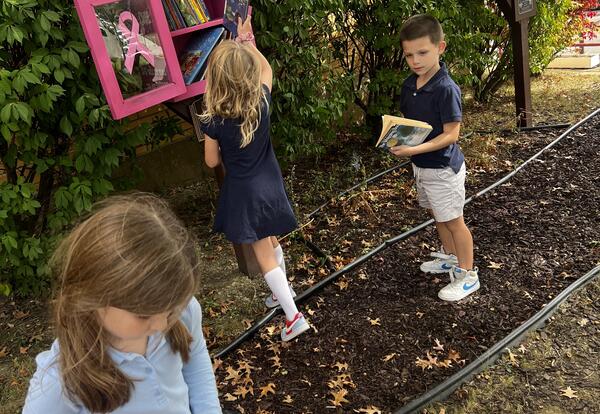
(133, 52)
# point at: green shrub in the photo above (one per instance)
(58, 144)
(309, 93)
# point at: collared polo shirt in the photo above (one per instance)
(163, 383)
(437, 102)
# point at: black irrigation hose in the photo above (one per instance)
(321, 284)
(446, 388)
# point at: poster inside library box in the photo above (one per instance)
(133, 46)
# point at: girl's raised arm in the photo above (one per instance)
(245, 35)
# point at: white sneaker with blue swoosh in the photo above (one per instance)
(462, 283)
(442, 263)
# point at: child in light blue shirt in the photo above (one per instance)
(129, 331)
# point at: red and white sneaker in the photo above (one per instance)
(294, 327)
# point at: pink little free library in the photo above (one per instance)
(136, 54)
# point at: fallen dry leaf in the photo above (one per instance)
(453, 355)
(494, 265)
(233, 374)
(217, 364)
(338, 397)
(582, 322)
(342, 284)
(374, 321)
(271, 329)
(388, 357)
(3, 352)
(19, 314)
(23, 349)
(446, 363)
(340, 366)
(512, 358)
(568, 392)
(369, 410)
(229, 397)
(269, 388)
(438, 346)
(242, 391)
(288, 399)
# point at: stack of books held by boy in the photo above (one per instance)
(185, 13)
(402, 131)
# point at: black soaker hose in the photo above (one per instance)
(321, 284)
(444, 389)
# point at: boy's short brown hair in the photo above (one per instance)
(422, 25)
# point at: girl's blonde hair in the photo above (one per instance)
(132, 253)
(233, 87)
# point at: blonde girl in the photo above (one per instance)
(129, 334)
(253, 205)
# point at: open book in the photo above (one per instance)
(402, 131)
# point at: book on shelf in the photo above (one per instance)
(233, 10)
(402, 131)
(195, 53)
(185, 13)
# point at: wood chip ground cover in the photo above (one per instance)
(381, 335)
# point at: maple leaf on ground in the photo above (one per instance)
(242, 391)
(229, 397)
(271, 329)
(245, 365)
(276, 361)
(340, 366)
(428, 363)
(338, 397)
(438, 345)
(453, 355)
(512, 358)
(233, 374)
(369, 410)
(288, 399)
(269, 388)
(388, 357)
(494, 265)
(446, 363)
(3, 352)
(374, 321)
(342, 284)
(568, 392)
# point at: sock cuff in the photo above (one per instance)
(278, 254)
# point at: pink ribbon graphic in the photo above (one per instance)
(134, 47)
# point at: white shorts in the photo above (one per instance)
(442, 191)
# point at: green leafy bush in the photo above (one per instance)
(309, 92)
(58, 144)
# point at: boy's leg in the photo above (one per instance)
(463, 242)
(445, 236)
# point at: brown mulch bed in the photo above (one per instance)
(381, 335)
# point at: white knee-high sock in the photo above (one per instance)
(280, 259)
(279, 286)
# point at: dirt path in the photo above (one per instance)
(381, 335)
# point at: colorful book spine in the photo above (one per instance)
(177, 17)
(204, 9)
(188, 13)
(197, 11)
(170, 20)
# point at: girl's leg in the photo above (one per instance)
(274, 276)
(463, 242)
(278, 253)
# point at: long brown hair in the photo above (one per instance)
(233, 88)
(131, 253)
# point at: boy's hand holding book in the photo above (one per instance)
(400, 135)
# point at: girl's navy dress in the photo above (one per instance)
(253, 203)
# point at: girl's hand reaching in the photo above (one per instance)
(244, 27)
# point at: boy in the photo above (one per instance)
(430, 95)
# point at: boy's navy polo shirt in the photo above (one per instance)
(437, 103)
